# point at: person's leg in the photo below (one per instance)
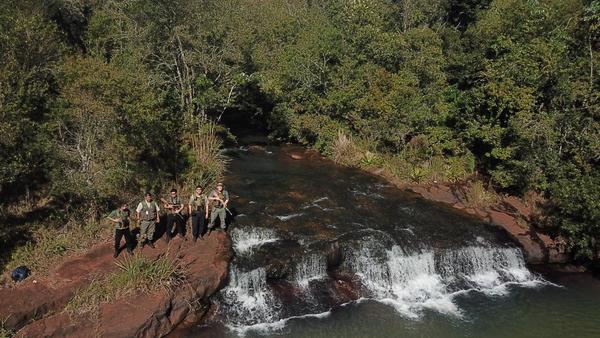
(222, 216)
(143, 232)
(150, 233)
(170, 221)
(202, 225)
(195, 220)
(179, 225)
(128, 240)
(213, 218)
(118, 235)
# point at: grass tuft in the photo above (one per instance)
(207, 161)
(136, 274)
(345, 151)
(477, 196)
(4, 331)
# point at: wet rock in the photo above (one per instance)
(334, 256)
(296, 156)
(149, 315)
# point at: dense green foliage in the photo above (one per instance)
(101, 96)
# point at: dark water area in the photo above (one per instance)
(326, 251)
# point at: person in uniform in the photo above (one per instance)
(147, 217)
(120, 217)
(198, 208)
(218, 199)
(174, 217)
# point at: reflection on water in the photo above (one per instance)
(334, 252)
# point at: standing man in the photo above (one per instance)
(174, 205)
(198, 208)
(147, 217)
(219, 199)
(121, 219)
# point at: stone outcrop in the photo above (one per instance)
(36, 309)
(511, 214)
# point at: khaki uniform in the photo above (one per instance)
(218, 209)
(148, 213)
(122, 229)
(174, 218)
(198, 203)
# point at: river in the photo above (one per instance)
(327, 251)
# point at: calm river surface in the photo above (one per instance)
(325, 251)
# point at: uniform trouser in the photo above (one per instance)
(120, 233)
(198, 224)
(147, 230)
(217, 212)
(179, 226)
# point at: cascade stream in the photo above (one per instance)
(311, 237)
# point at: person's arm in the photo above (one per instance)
(138, 211)
(181, 206)
(112, 217)
(226, 195)
(205, 207)
(213, 197)
(157, 213)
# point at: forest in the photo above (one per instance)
(102, 100)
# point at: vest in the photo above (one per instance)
(197, 202)
(175, 202)
(221, 195)
(148, 212)
(123, 215)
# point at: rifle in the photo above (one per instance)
(169, 203)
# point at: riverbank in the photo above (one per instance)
(36, 307)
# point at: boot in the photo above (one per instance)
(116, 253)
(129, 251)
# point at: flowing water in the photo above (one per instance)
(334, 252)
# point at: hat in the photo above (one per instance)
(219, 184)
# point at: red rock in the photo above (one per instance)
(206, 266)
(437, 193)
(27, 300)
(518, 206)
(533, 250)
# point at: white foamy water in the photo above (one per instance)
(310, 268)
(288, 217)
(269, 328)
(247, 239)
(413, 282)
(249, 298)
(409, 282)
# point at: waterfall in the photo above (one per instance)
(311, 267)
(412, 282)
(246, 239)
(249, 297)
